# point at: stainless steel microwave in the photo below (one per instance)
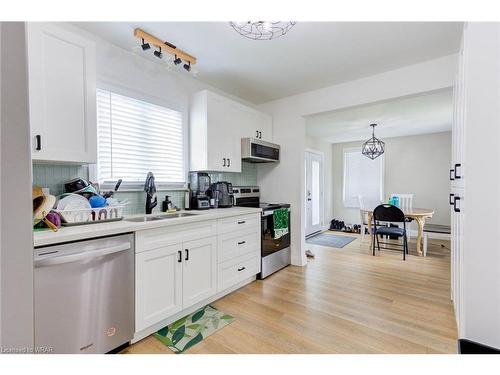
(258, 151)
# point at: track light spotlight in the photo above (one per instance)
(187, 66)
(177, 60)
(145, 46)
(158, 53)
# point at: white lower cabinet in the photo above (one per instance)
(158, 288)
(199, 276)
(180, 267)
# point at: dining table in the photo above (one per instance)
(417, 214)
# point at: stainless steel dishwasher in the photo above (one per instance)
(84, 295)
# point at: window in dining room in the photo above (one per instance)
(362, 176)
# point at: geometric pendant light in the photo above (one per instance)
(262, 30)
(373, 147)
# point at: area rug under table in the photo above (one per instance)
(330, 240)
(190, 330)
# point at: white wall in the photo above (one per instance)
(16, 239)
(287, 183)
(414, 164)
(132, 71)
(325, 148)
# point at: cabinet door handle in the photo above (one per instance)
(455, 208)
(223, 162)
(257, 132)
(38, 139)
(452, 174)
(457, 173)
(241, 269)
(260, 135)
(242, 242)
(187, 254)
(180, 256)
(242, 222)
(451, 199)
(228, 162)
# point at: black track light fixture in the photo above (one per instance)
(145, 46)
(187, 66)
(158, 53)
(177, 60)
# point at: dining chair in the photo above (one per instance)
(389, 214)
(405, 200)
(365, 204)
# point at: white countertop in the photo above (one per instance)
(80, 232)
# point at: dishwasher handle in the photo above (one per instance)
(81, 256)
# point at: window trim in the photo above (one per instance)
(148, 98)
(344, 171)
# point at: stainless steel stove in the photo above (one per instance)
(275, 252)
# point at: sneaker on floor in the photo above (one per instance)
(309, 254)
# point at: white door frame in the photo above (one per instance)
(320, 155)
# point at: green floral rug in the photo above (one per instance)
(190, 330)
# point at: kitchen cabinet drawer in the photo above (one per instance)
(237, 270)
(235, 244)
(149, 239)
(231, 224)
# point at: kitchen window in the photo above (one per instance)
(135, 137)
(362, 176)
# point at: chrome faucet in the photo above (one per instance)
(150, 189)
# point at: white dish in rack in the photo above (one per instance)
(72, 202)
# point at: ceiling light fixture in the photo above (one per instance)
(158, 53)
(149, 41)
(373, 147)
(145, 46)
(262, 30)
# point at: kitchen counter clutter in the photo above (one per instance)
(67, 234)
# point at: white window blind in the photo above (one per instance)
(362, 176)
(135, 137)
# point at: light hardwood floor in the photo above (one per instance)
(343, 301)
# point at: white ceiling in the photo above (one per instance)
(312, 55)
(423, 114)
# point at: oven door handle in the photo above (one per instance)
(270, 212)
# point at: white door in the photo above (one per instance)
(199, 270)
(314, 192)
(158, 288)
(62, 91)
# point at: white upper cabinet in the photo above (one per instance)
(217, 125)
(62, 94)
(256, 124)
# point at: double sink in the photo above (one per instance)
(143, 219)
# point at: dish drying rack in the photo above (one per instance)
(91, 215)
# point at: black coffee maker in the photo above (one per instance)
(222, 193)
(200, 185)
